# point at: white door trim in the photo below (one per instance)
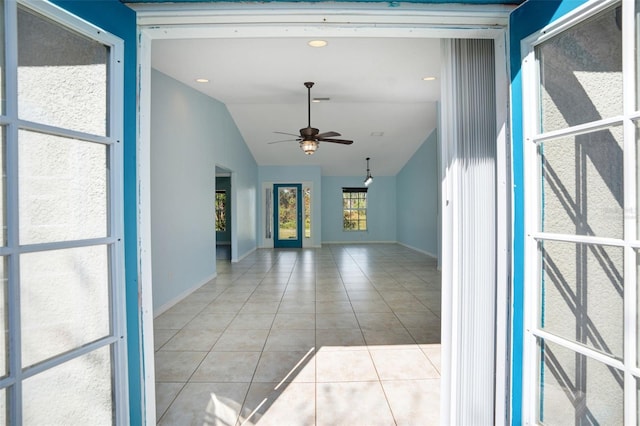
(183, 21)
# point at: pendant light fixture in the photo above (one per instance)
(369, 178)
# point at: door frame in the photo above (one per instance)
(489, 21)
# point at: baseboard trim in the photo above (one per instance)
(164, 308)
(359, 242)
(243, 256)
(419, 250)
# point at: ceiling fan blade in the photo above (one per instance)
(290, 134)
(284, 140)
(342, 141)
(327, 135)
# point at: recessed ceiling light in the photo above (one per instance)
(202, 80)
(316, 100)
(428, 78)
(317, 43)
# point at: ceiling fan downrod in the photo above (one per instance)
(309, 85)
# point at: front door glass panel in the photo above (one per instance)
(288, 215)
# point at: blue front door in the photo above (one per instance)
(287, 215)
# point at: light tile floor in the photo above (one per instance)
(340, 335)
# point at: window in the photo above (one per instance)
(221, 205)
(62, 357)
(354, 209)
(582, 222)
(306, 192)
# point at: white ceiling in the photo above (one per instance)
(375, 86)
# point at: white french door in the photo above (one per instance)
(62, 359)
(581, 117)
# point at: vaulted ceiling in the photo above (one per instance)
(376, 94)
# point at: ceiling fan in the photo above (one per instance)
(310, 137)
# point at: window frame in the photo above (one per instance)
(346, 210)
(306, 211)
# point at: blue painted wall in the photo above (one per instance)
(114, 17)
(190, 134)
(417, 198)
(525, 20)
(296, 174)
(381, 209)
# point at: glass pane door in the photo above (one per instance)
(288, 215)
(581, 216)
(61, 304)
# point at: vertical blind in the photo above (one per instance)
(473, 163)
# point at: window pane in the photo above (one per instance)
(4, 278)
(221, 205)
(355, 211)
(581, 292)
(582, 184)
(3, 99)
(637, 65)
(581, 73)
(64, 300)
(307, 212)
(78, 392)
(287, 213)
(638, 307)
(637, 124)
(63, 189)
(574, 389)
(62, 76)
(3, 188)
(3, 407)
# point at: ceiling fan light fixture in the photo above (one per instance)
(308, 146)
(310, 137)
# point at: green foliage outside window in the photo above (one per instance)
(288, 209)
(221, 205)
(307, 212)
(354, 209)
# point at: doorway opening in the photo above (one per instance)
(472, 28)
(224, 224)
